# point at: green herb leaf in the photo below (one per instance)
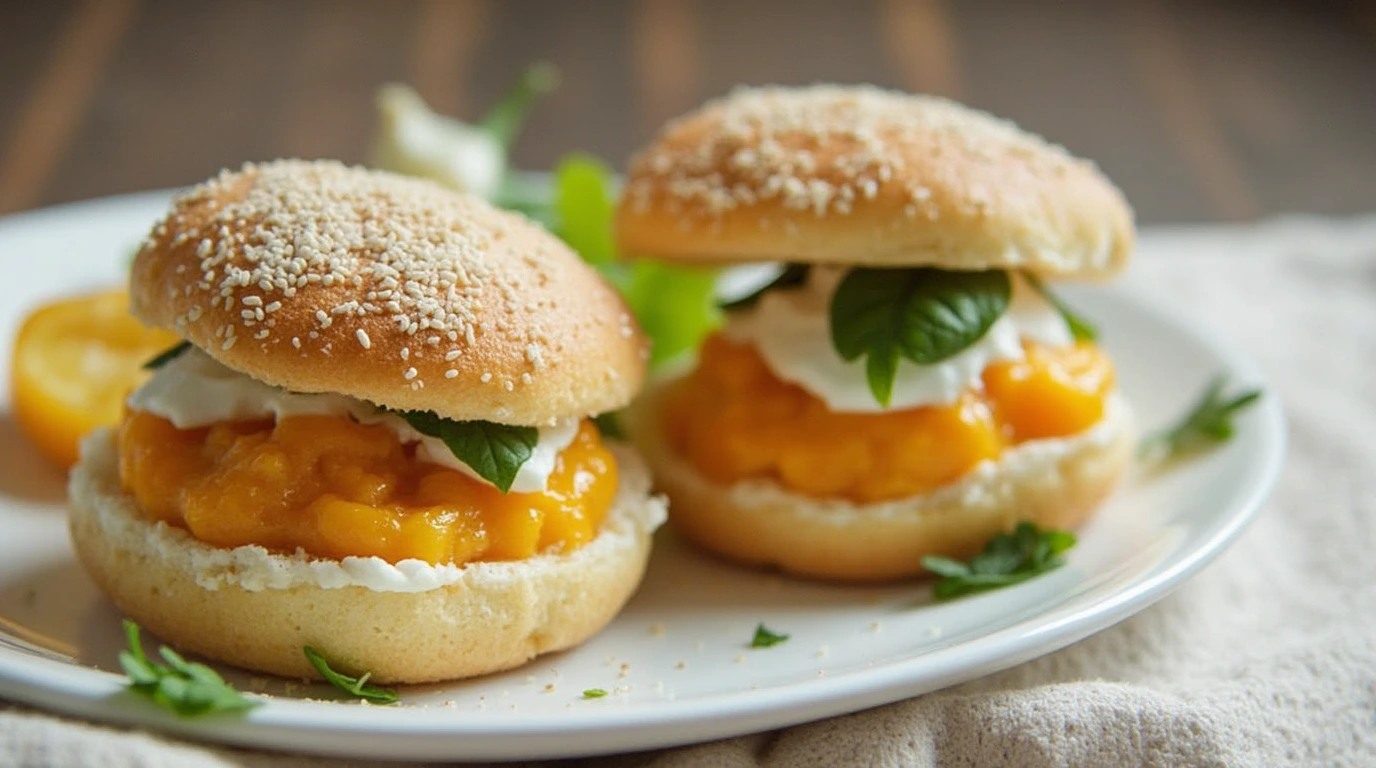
(504, 121)
(1207, 424)
(1080, 328)
(1008, 558)
(186, 688)
(594, 693)
(167, 356)
(792, 276)
(609, 424)
(923, 314)
(765, 639)
(495, 452)
(675, 306)
(583, 204)
(357, 687)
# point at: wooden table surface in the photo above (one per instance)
(1200, 110)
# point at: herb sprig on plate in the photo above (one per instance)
(185, 688)
(764, 638)
(358, 687)
(1208, 423)
(1008, 559)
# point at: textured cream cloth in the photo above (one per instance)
(1266, 658)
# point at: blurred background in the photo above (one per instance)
(1199, 109)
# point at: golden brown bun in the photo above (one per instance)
(863, 176)
(1055, 483)
(321, 278)
(256, 610)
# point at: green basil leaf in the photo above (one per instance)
(792, 276)
(495, 452)
(167, 356)
(924, 315)
(357, 687)
(1080, 328)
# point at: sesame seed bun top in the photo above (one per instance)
(321, 278)
(863, 176)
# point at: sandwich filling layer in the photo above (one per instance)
(236, 462)
(771, 399)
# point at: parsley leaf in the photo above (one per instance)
(594, 693)
(674, 305)
(185, 688)
(765, 639)
(923, 314)
(495, 451)
(504, 120)
(357, 687)
(166, 356)
(1008, 559)
(1207, 424)
(1080, 328)
(792, 276)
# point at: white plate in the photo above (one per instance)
(675, 662)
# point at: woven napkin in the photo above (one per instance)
(1265, 658)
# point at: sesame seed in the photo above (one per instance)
(451, 373)
(252, 301)
(363, 339)
(485, 378)
(411, 373)
(452, 355)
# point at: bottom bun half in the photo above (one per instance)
(1055, 483)
(412, 623)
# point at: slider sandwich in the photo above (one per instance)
(908, 385)
(376, 439)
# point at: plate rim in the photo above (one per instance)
(341, 729)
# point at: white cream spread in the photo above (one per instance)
(791, 330)
(193, 390)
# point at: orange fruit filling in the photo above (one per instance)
(734, 420)
(335, 488)
(74, 362)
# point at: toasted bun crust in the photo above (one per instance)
(862, 176)
(321, 278)
(491, 616)
(1055, 483)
